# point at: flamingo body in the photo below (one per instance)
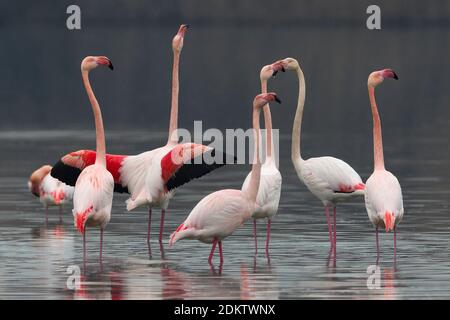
(54, 192)
(384, 197)
(215, 217)
(269, 191)
(330, 179)
(92, 199)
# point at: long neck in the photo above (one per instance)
(173, 136)
(267, 124)
(297, 127)
(377, 137)
(99, 131)
(256, 166)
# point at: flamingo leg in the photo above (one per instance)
(327, 214)
(254, 235)
(212, 252)
(149, 226)
(221, 253)
(101, 244)
(395, 243)
(378, 247)
(268, 237)
(334, 239)
(84, 246)
(161, 226)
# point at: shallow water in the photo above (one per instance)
(35, 254)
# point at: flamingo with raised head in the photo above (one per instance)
(330, 179)
(384, 201)
(51, 192)
(150, 177)
(218, 214)
(93, 195)
(270, 185)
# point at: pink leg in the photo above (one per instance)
(101, 244)
(327, 213)
(254, 235)
(221, 253)
(84, 246)
(149, 227)
(161, 227)
(268, 237)
(334, 239)
(212, 252)
(395, 243)
(376, 238)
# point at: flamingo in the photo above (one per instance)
(218, 214)
(51, 192)
(383, 196)
(270, 185)
(330, 179)
(93, 195)
(149, 176)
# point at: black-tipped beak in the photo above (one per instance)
(110, 65)
(395, 75)
(186, 26)
(274, 73)
(277, 99)
(282, 69)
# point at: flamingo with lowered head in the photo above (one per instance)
(51, 192)
(384, 201)
(270, 184)
(330, 179)
(218, 214)
(150, 177)
(93, 195)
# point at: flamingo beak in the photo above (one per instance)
(105, 62)
(277, 66)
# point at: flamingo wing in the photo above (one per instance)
(198, 166)
(331, 174)
(67, 169)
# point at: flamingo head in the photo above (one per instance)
(264, 98)
(389, 220)
(377, 77)
(177, 42)
(285, 64)
(267, 72)
(36, 178)
(92, 62)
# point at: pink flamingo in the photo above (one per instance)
(330, 179)
(149, 176)
(93, 195)
(270, 185)
(384, 201)
(51, 192)
(217, 215)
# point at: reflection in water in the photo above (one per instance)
(34, 257)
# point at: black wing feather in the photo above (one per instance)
(69, 176)
(196, 169)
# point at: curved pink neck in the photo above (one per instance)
(173, 126)
(256, 166)
(267, 123)
(377, 136)
(99, 131)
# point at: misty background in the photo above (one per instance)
(224, 49)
